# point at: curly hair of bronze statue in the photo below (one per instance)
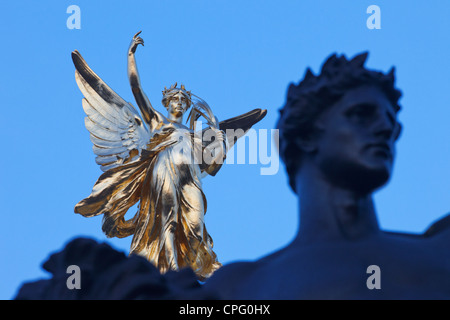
(314, 94)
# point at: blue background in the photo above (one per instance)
(236, 55)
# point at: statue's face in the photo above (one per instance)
(177, 105)
(356, 147)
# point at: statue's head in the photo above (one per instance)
(176, 100)
(343, 122)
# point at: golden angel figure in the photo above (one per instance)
(157, 161)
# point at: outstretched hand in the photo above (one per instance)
(135, 42)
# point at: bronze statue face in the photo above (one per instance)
(355, 144)
(177, 105)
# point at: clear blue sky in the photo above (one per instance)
(236, 55)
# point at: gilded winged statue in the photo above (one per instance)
(157, 161)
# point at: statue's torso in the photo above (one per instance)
(178, 143)
(409, 268)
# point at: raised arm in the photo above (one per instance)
(144, 104)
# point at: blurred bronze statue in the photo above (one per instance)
(338, 132)
(157, 161)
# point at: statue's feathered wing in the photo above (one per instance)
(116, 128)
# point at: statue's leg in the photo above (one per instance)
(169, 225)
(194, 214)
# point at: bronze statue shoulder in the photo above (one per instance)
(438, 227)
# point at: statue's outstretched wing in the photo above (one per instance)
(238, 126)
(234, 129)
(117, 130)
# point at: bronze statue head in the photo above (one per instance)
(174, 93)
(344, 121)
